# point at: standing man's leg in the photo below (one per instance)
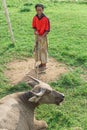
(43, 51)
(36, 49)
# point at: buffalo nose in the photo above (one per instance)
(63, 96)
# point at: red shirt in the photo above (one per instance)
(41, 24)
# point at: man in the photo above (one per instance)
(41, 26)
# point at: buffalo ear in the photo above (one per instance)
(37, 96)
(32, 83)
(34, 99)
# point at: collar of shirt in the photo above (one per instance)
(40, 16)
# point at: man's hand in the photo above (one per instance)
(36, 32)
(42, 36)
(39, 38)
(45, 34)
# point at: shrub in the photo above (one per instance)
(28, 4)
(25, 9)
(68, 80)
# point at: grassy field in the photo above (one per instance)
(67, 44)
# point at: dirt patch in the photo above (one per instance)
(18, 71)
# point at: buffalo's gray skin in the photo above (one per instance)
(17, 110)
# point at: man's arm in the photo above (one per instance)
(35, 31)
(34, 25)
(47, 28)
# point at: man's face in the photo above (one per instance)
(39, 11)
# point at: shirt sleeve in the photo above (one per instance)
(47, 27)
(34, 23)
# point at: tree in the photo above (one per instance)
(8, 21)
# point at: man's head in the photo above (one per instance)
(39, 9)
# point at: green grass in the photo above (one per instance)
(67, 43)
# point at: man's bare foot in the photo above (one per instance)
(42, 65)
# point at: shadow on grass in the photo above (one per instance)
(25, 9)
(28, 4)
(84, 2)
(70, 2)
(7, 48)
(13, 89)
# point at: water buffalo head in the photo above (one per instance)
(44, 94)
